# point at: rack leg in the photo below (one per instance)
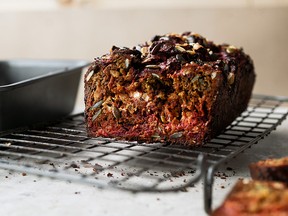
(208, 186)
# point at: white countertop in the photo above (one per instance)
(30, 195)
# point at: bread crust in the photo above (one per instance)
(270, 170)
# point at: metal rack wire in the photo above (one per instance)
(62, 150)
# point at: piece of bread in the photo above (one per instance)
(178, 88)
(255, 198)
(270, 170)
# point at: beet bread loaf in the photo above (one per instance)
(255, 198)
(270, 170)
(178, 88)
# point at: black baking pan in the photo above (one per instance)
(34, 91)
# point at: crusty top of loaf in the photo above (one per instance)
(169, 52)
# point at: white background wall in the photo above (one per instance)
(85, 29)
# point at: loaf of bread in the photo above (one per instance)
(270, 170)
(255, 198)
(176, 88)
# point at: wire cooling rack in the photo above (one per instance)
(62, 150)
